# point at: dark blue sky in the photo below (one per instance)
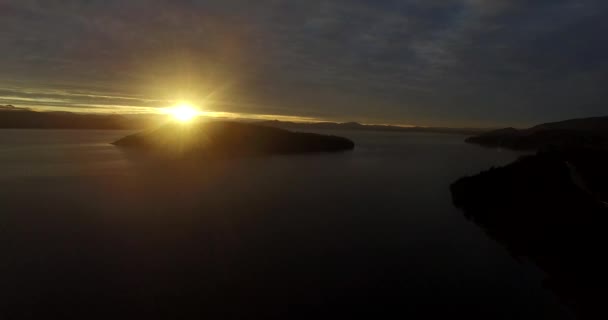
(425, 62)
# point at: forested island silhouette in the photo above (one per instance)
(225, 138)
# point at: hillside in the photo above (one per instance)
(22, 118)
(588, 132)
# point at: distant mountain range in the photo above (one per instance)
(23, 118)
(364, 127)
(588, 132)
(12, 117)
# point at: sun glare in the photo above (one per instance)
(184, 112)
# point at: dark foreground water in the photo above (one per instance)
(92, 232)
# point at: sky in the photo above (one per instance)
(418, 62)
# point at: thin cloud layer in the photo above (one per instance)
(452, 62)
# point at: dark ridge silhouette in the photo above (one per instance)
(12, 117)
(364, 127)
(589, 132)
(550, 208)
(10, 107)
(231, 138)
(22, 118)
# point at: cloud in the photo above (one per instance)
(427, 62)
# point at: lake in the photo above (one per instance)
(90, 230)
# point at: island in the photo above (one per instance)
(588, 132)
(227, 138)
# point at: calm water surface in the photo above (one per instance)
(89, 229)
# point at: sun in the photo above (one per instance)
(184, 112)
